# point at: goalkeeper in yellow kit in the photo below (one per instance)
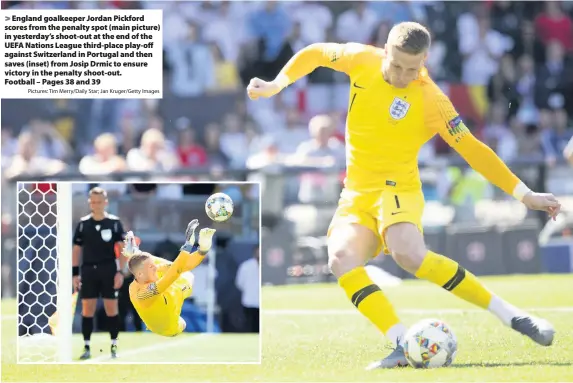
(160, 287)
(394, 109)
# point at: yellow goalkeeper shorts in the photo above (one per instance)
(379, 210)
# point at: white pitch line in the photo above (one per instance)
(155, 347)
(403, 311)
(564, 309)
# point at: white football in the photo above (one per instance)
(430, 343)
(219, 207)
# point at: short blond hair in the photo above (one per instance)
(410, 37)
(136, 260)
(98, 191)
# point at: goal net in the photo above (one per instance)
(44, 273)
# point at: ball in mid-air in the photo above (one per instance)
(430, 343)
(219, 207)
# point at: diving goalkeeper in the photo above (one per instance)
(160, 287)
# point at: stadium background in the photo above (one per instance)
(506, 66)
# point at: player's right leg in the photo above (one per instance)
(110, 304)
(352, 241)
(89, 294)
(88, 312)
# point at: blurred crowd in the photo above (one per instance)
(519, 53)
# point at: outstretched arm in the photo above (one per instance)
(171, 272)
(160, 262)
(442, 118)
(185, 261)
(174, 271)
(195, 258)
(340, 57)
(162, 268)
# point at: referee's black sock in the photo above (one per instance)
(87, 329)
(113, 323)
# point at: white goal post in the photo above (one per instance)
(211, 295)
(44, 277)
(64, 245)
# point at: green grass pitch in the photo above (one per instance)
(312, 333)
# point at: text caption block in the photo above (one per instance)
(82, 54)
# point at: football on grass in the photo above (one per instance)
(430, 343)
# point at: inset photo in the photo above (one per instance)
(138, 273)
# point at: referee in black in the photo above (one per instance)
(100, 274)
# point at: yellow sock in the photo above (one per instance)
(451, 276)
(369, 299)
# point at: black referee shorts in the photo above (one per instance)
(97, 281)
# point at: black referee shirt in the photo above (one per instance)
(98, 238)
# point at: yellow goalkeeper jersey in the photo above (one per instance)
(387, 126)
(159, 303)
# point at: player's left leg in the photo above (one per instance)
(110, 304)
(404, 239)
